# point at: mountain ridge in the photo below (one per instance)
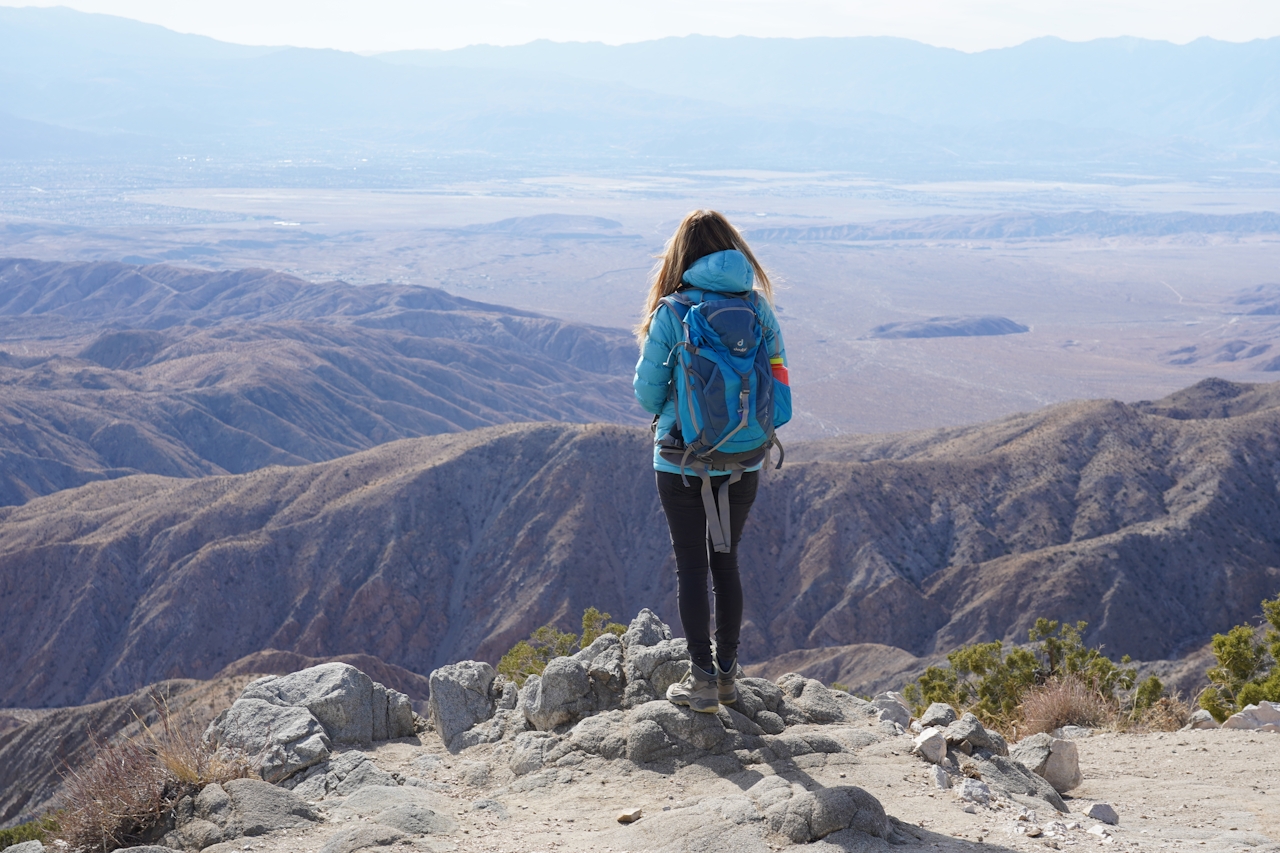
(187, 372)
(1153, 529)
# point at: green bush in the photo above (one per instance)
(35, 830)
(531, 656)
(990, 681)
(1248, 666)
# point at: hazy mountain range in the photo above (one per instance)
(100, 86)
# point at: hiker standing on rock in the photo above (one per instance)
(713, 373)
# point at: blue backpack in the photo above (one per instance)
(728, 403)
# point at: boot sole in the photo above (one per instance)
(709, 709)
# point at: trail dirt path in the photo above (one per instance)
(1198, 790)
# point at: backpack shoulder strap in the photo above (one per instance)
(679, 304)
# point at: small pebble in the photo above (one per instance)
(629, 816)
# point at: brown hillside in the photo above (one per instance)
(1158, 531)
(218, 373)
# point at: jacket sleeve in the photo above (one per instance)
(772, 331)
(654, 369)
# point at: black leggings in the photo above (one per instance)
(694, 555)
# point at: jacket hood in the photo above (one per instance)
(723, 272)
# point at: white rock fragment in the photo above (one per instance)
(941, 778)
(1265, 716)
(931, 745)
(974, 790)
(630, 816)
(1104, 834)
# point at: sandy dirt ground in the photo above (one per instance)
(1201, 790)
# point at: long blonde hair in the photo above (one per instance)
(701, 233)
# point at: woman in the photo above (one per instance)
(706, 259)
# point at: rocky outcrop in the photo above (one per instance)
(287, 723)
(460, 697)
(241, 807)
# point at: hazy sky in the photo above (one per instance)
(377, 25)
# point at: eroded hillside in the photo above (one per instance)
(110, 369)
(1156, 530)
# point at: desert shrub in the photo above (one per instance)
(32, 830)
(1248, 666)
(1166, 714)
(531, 656)
(121, 797)
(1065, 701)
(991, 682)
(595, 624)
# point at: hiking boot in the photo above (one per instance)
(697, 690)
(727, 683)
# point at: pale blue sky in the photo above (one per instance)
(379, 25)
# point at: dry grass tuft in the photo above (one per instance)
(1168, 714)
(116, 800)
(1064, 702)
(189, 759)
(122, 796)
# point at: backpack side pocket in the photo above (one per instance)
(781, 403)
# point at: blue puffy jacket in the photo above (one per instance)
(722, 272)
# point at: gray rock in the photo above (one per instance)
(1103, 812)
(510, 695)
(561, 695)
(26, 847)
(337, 694)
(361, 837)
(534, 750)
(938, 714)
(687, 729)
(817, 701)
(770, 722)
(492, 808)
(503, 725)
(767, 693)
(258, 808)
(146, 848)
(197, 834)
(213, 804)
(1055, 760)
(969, 729)
(891, 708)
(974, 790)
(460, 698)
(415, 819)
(604, 735)
(646, 667)
(645, 630)
(1201, 719)
(941, 778)
(1012, 777)
(281, 739)
(646, 741)
(361, 774)
(1078, 732)
(805, 816)
(399, 715)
